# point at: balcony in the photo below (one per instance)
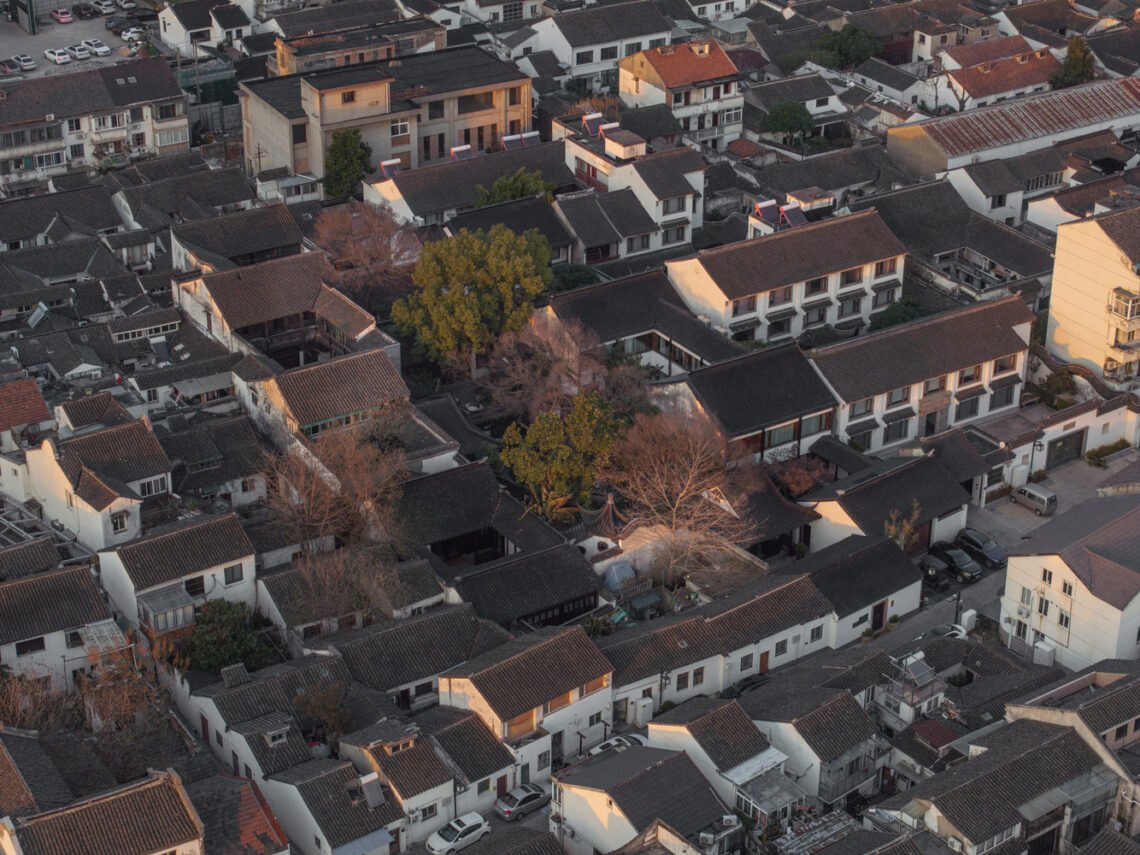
(1124, 310)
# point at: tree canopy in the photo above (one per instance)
(518, 186)
(472, 287)
(558, 457)
(791, 119)
(224, 635)
(348, 158)
(1079, 65)
(846, 48)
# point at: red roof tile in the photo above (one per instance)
(22, 404)
(978, 52)
(684, 65)
(1006, 75)
(935, 733)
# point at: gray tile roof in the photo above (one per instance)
(883, 72)
(519, 216)
(664, 172)
(167, 556)
(115, 456)
(740, 395)
(29, 781)
(466, 743)
(412, 771)
(520, 840)
(799, 89)
(929, 347)
(846, 168)
(1109, 841)
(212, 454)
(322, 785)
(25, 559)
(836, 727)
(389, 655)
(243, 233)
(235, 817)
(609, 23)
(341, 16)
(325, 391)
(87, 208)
(722, 728)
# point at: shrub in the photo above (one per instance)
(1096, 456)
(1038, 476)
(998, 493)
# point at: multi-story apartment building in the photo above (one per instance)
(1094, 312)
(316, 51)
(410, 110)
(96, 117)
(697, 81)
(921, 378)
(772, 288)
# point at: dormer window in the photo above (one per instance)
(276, 737)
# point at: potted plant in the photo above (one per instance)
(867, 635)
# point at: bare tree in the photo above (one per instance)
(797, 475)
(346, 581)
(608, 105)
(343, 484)
(903, 530)
(373, 254)
(31, 702)
(670, 471)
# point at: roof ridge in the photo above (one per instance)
(192, 524)
(33, 577)
(157, 778)
(816, 226)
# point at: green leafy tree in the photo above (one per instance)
(472, 287)
(846, 48)
(348, 158)
(557, 458)
(1079, 65)
(518, 186)
(567, 277)
(790, 119)
(906, 309)
(224, 635)
(789, 62)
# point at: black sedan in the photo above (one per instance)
(935, 574)
(982, 548)
(958, 564)
(117, 24)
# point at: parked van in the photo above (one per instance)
(1042, 502)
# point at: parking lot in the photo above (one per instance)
(14, 40)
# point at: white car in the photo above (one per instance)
(96, 47)
(25, 62)
(458, 834)
(78, 52)
(621, 743)
(57, 55)
(126, 4)
(134, 34)
(103, 7)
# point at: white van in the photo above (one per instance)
(1041, 501)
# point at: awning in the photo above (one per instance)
(746, 324)
(885, 286)
(676, 221)
(972, 392)
(166, 599)
(898, 416)
(196, 386)
(781, 315)
(816, 304)
(1003, 382)
(1043, 804)
(856, 428)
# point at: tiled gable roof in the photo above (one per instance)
(796, 255)
(412, 771)
(25, 559)
(88, 208)
(235, 817)
(923, 480)
(469, 745)
(140, 819)
(1109, 841)
(29, 781)
(22, 404)
(1123, 229)
(517, 839)
(1114, 706)
(835, 728)
(664, 172)
(271, 690)
(525, 673)
(387, 656)
(340, 387)
(1006, 75)
(722, 728)
(687, 64)
(269, 290)
(929, 347)
(242, 233)
(978, 52)
(49, 602)
(840, 572)
(163, 557)
(114, 455)
(609, 23)
(324, 788)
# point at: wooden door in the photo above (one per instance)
(764, 662)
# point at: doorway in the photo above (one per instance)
(879, 616)
(1069, 447)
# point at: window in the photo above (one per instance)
(883, 298)
(781, 647)
(780, 436)
(674, 235)
(153, 487)
(850, 307)
(1047, 577)
(512, 11)
(935, 384)
(584, 57)
(783, 326)
(1043, 607)
(171, 111)
(428, 811)
(851, 277)
(896, 431)
(483, 786)
(780, 296)
(300, 134)
(196, 587)
(673, 205)
(637, 244)
(595, 719)
(119, 522)
(514, 96)
(1001, 398)
(656, 43)
(682, 681)
(74, 125)
(74, 639)
(862, 408)
(815, 286)
(698, 678)
(348, 97)
(1063, 618)
(608, 53)
(997, 201)
(967, 409)
(744, 306)
(732, 117)
(399, 129)
(1067, 589)
(32, 645)
(970, 375)
(1027, 596)
(632, 47)
(435, 109)
(898, 396)
(885, 268)
(1006, 363)
(76, 150)
(816, 633)
(233, 574)
(746, 662)
(543, 760)
(816, 316)
(821, 102)
(815, 424)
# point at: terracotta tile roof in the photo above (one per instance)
(934, 733)
(743, 148)
(236, 818)
(356, 383)
(525, 673)
(49, 602)
(1006, 75)
(684, 65)
(798, 254)
(1032, 118)
(152, 816)
(163, 557)
(22, 404)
